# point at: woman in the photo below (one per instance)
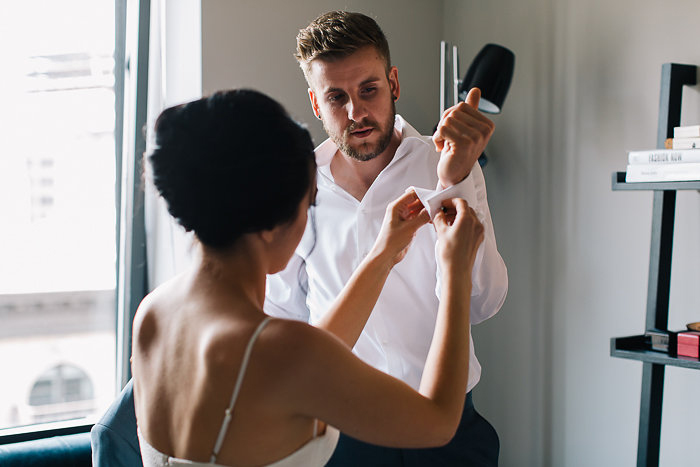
(216, 381)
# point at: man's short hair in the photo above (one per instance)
(337, 34)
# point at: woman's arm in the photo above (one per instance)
(353, 306)
(333, 385)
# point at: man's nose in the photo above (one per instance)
(356, 110)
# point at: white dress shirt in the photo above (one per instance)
(342, 231)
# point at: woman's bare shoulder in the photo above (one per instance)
(148, 319)
(297, 352)
(296, 338)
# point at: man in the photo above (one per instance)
(371, 157)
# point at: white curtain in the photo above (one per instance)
(169, 247)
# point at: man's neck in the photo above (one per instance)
(356, 177)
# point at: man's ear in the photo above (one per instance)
(394, 82)
(314, 103)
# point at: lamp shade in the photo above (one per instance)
(491, 72)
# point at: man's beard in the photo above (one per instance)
(357, 153)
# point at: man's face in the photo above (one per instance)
(355, 99)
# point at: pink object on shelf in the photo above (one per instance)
(689, 344)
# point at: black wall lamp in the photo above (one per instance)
(491, 71)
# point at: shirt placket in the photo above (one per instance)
(369, 215)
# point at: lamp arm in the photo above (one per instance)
(455, 75)
(443, 77)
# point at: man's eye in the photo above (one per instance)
(335, 97)
(369, 90)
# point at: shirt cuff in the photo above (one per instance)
(432, 199)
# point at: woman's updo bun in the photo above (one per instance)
(231, 163)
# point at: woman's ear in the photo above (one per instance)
(269, 236)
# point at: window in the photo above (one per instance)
(60, 171)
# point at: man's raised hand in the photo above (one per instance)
(461, 137)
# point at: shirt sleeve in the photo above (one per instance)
(489, 275)
(285, 292)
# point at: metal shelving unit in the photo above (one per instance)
(673, 77)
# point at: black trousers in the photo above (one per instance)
(475, 444)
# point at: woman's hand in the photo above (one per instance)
(401, 221)
(459, 233)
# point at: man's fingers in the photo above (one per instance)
(460, 134)
(462, 120)
(438, 141)
(438, 138)
(468, 115)
(473, 98)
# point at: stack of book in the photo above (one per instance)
(680, 161)
(684, 137)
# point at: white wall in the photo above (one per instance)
(250, 43)
(515, 346)
(586, 90)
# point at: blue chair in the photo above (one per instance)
(114, 439)
(57, 451)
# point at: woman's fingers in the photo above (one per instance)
(449, 211)
(409, 207)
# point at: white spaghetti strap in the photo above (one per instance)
(236, 390)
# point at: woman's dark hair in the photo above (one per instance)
(231, 163)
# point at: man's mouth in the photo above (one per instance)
(362, 132)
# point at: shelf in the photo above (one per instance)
(619, 184)
(674, 76)
(635, 348)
